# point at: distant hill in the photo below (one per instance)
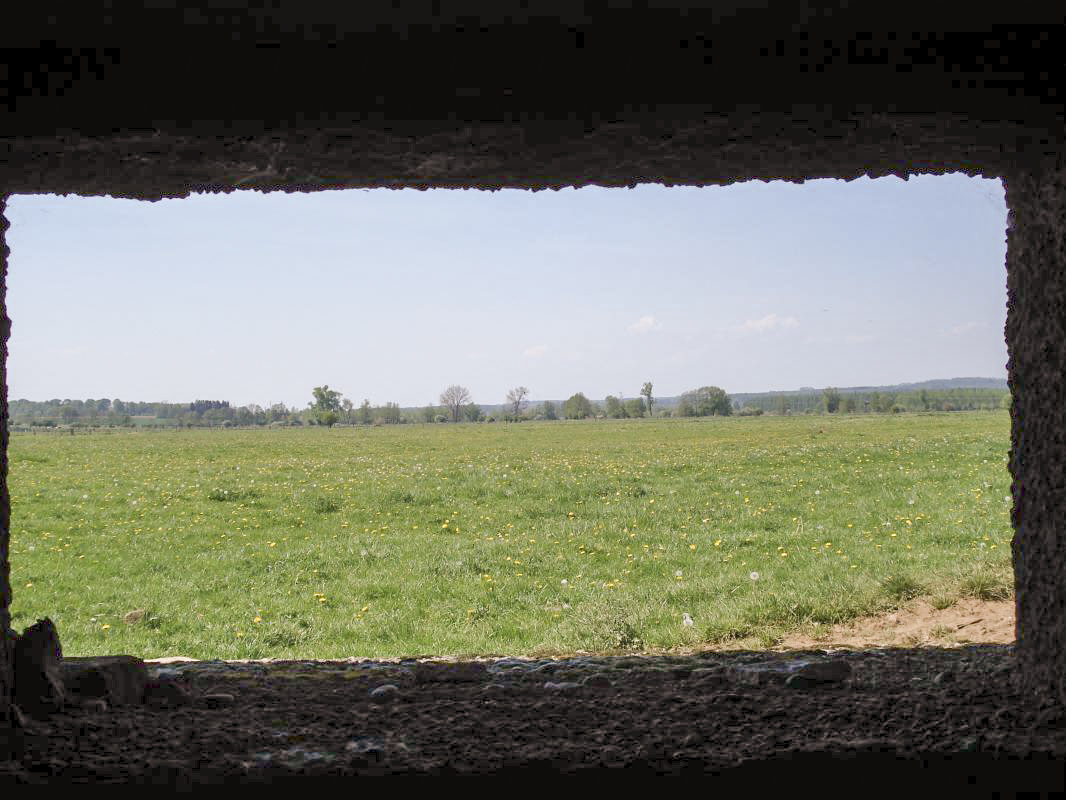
(939, 384)
(742, 398)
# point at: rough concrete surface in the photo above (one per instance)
(177, 98)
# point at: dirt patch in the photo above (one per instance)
(918, 623)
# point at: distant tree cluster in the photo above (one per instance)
(834, 401)
(706, 401)
(328, 407)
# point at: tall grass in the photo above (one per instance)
(501, 539)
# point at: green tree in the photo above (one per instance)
(577, 407)
(365, 416)
(516, 400)
(645, 391)
(848, 405)
(831, 400)
(472, 412)
(454, 398)
(326, 399)
(634, 407)
(613, 407)
(705, 402)
(326, 405)
(548, 410)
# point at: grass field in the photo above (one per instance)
(536, 538)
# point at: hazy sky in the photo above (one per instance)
(394, 295)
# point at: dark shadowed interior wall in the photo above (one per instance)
(303, 96)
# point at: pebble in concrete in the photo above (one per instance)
(384, 693)
(562, 685)
(219, 699)
(821, 673)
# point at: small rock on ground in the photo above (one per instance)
(384, 693)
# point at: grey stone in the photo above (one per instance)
(219, 699)
(561, 686)
(37, 657)
(369, 744)
(820, 673)
(384, 693)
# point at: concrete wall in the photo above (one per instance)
(301, 96)
(5, 500)
(1036, 341)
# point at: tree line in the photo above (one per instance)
(330, 407)
(834, 401)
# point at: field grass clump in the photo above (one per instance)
(902, 587)
(502, 539)
(989, 584)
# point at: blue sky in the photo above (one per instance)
(394, 295)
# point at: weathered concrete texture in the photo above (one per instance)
(692, 93)
(301, 96)
(6, 634)
(120, 680)
(1036, 340)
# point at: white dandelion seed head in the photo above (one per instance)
(754, 576)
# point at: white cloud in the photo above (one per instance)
(964, 328)
(645, 324)
(536, 351)
(768, 323)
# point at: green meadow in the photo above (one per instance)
(511, 539)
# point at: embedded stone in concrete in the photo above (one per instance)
(120, 680)
(38, 659)
(219, 699)
(821, 673)
(385, 693)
